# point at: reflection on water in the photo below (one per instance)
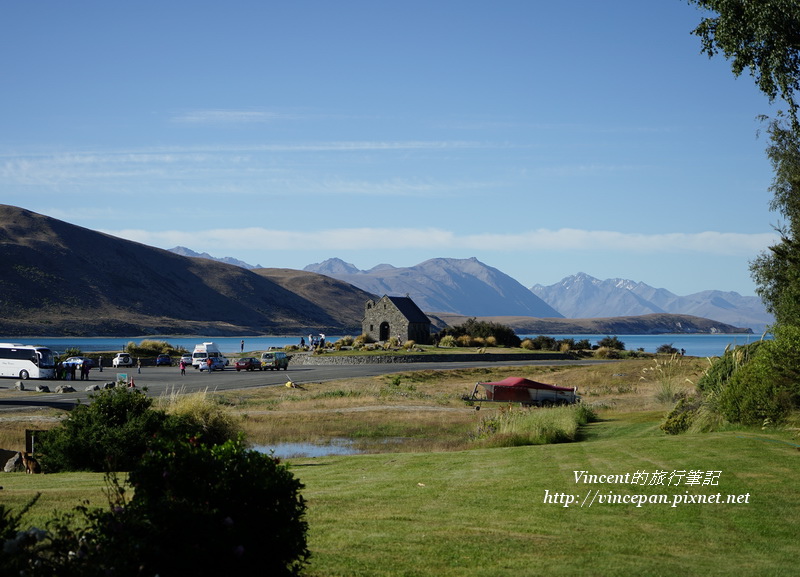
(293, 450)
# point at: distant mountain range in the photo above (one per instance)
(183, 251)
(583, 296)
(469, 287)
(59, 279)
(465, 286)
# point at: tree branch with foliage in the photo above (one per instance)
(762, 36)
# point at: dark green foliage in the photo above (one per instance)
(681, 416)
(611, 343)
(717, 375)
(762, 36)
(777, 271)
(197, 510)
(114, 431)
(474, 328)
(544, 343)
(667, 349)
(109, 434)
(766, 388)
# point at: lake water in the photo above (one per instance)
(695, 345)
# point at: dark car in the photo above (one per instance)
(248, 364)
(163, 360)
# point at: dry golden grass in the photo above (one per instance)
(423, 409)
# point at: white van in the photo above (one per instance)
(203, 351)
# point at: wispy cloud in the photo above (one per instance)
(562, 240)
(226, 116)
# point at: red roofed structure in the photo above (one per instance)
(527, 391)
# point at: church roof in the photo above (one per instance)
(409, 309)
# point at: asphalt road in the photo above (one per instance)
(160, 380)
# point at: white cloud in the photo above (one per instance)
(225, 116)
(562, 240)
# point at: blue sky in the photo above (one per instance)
(543, 138)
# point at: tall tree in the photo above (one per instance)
(763, 36)
(777, 271)
(760, 35)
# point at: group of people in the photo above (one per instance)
(313, 342)
(69, 371)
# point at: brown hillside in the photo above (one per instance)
(659, 323)
(58, 278)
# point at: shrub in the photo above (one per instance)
(196, 510)
(681, 416)
(116, 428)
(611, 343)
(667, 349)
(216, 510)
(503, 335)
(111, 433)
(721, 369)
(527, 344)
(607, 353)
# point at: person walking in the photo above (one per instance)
(183, 367)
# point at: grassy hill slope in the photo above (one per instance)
(59, 278)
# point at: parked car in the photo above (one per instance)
(248, 364)
(217, 364)
(163, 360)
(186, 360)
(274, 361)
(122, 360)
(78, 361)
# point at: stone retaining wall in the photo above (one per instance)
(324, 359)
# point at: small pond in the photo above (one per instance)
(293, 450)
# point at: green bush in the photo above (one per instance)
(110, 433)
(667, 349)
(115, 429)
(474, 328)
(681, 416)
(611, 343)
(153, 348)
(196, 510)
(716, 376)
(766, 388)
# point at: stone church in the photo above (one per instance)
(396, 317)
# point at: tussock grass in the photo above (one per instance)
(202, 408)
(514, 427)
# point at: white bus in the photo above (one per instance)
(26, 361)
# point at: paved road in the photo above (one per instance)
(159, 380)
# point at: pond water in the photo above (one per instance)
(294, 450)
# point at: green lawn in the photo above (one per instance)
(482, 512)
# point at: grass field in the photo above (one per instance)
(456, 509)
